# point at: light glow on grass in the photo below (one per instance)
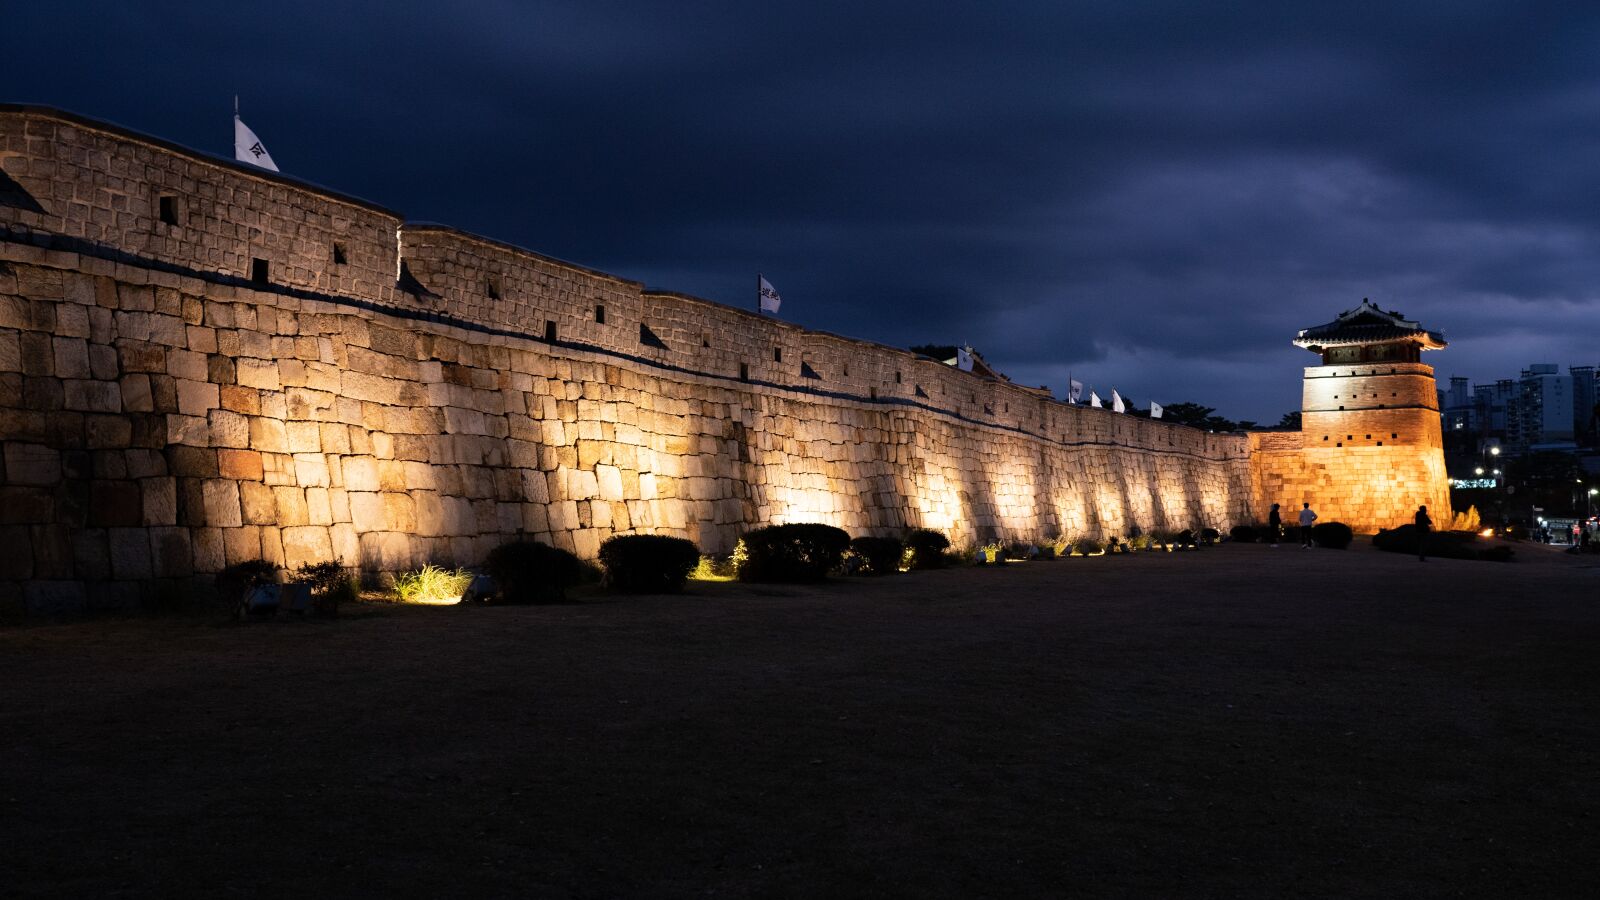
(432, 586)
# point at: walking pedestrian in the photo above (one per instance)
(1424, 525)
(1307, 517)
(1274, 525)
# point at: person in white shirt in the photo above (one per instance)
(1307, 517)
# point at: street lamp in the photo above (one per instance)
(1478, 471)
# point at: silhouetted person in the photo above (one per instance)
(1307, 517)
(1424, 525)
(1274, 524)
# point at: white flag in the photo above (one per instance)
(1074, 391)
(770, 301)
(247, 147)
(1155, 410)
(964, 359)
(1116, 402)
(1094, 401)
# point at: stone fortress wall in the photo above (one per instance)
(202, 363)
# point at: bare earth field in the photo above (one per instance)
(1234, 722)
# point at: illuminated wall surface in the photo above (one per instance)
(202, 364)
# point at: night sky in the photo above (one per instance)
(1150, 196)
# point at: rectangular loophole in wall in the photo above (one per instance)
(897, 378)
(744, 371)
(705, 340)
(258, 271)
(491, 287)
(167, 208)
(873, 392)
(549, 331)
(339, 258)
(777, 354)
(600, 314)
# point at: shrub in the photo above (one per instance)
(235, 580)
(1209, 536)
(927, 548)
(648, 563)
(791, 553)
(881, 555)
(531, 572)
(1186, 538)
(1442, 544)
(329, 586)
(1332, 535)
(1244, 534)
(1087, 547)
(432, 584)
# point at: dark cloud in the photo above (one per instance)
(1153, 196)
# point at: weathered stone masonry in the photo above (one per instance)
(201, 363)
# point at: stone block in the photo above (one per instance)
(222, 503)
(170, 553)
(10, 352)
(306, 544)
(366, 510)
(71, 357)
(399, 512)
(385, 551)
(304, 437)
(16, 559)
(609, 482)
(92, 396)
(186, 364)
(228, 429)
(31, 464)
(319, 507)
(159, 500)
(136, 395)
(240, 544)
(311, 470)
(246, 401)
(196, 398)
(207, 546)
(130, 553)
(258, 503)
(242, 465)
(291, 503)
(268, 435)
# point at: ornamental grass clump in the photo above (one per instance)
(432, 585)
(799, 552)
(648, 563)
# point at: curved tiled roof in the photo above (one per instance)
(1368, 324)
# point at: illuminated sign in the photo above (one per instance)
(1469, 483)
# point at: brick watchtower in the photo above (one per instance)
(1370, 450)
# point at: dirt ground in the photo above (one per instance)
(1233, 722)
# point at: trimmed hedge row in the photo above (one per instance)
(648, 563)
(800, 552)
